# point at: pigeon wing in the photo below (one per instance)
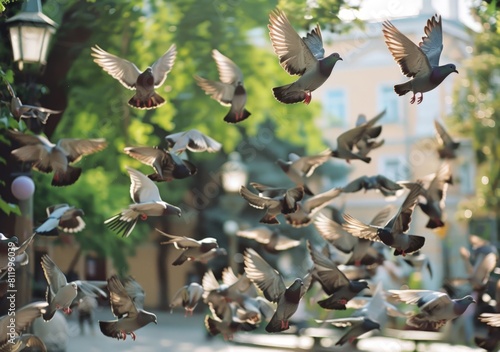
(76, 148)
(229, 72)
(142, 189)
(54, 276)
(121, 302)
(123, 70)
(432, 43)
(163, 65)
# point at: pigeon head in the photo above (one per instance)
(326, 65)
(170, 209)
(441, 72)
(358, 286)
(461, 304)
(370, 325)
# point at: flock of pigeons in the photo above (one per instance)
(236, 303)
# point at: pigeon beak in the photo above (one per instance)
(455, 71)
(474, 301)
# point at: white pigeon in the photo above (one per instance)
(192, 140)
(62, 216)
(147, 202)
(144, 83)
(419, 62)
(47, 156)
(191, 249)
(230, 90)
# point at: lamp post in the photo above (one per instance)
(30, 33)
(234, 174)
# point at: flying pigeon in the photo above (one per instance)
(480, 262)
(335, 284)
(47, 157)
(299, 56)
(60, 294)
(192, 140)
(310, 207)
(346, 141)
(9, 245)
(273, 241)
(393, 233)
(228, 325)
(368, 142)
(420, 63)
(435, 195)
(147, 202)
(284, 202)
(436, 308)
(418, 261)
(168, 166)
(229, 90)
(130, 77)
(273, 287)
(12, 326)
(64, 217)
(492, 319)
(191, 249)
(378, 182)
(130, 315)
(447, 145)
(23, 111)
(298, 168)
(188, 297)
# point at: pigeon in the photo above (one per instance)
(272, 240)
(492, 319)
(339, 288)
(367, 143)
(60, 294)
(273, 287)
(447, 145)
(9, 246)
(130, 315)
(480, 263)
(435, 196)
(298, 169)
(307, 209)
(12, 326)
(358, 326)
(345, 143)
(228, 325)
(418, 261)
(284, 202)
(229, 90)
(130, 77)
(64, 217)
(168, 166)
(436, 308)
(393, 233)
(47, 157)
(23, 111)
(192, 140)
(188, 297)
(147, 202)
(378, 182)
(299, 56)
(191, 248)
(420, 63)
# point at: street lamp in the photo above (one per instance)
(30, 34)
(234, 174)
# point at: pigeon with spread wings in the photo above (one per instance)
(418, 62)
(144, 83)
(190, 248)
(192, 140)
(64, 217)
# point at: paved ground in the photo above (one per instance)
(177, 333)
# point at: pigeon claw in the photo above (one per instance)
(419, 99)
(307, 98)
(412, 100)
(343, 301)
(67, 310)
(133, 335)
(144, 217)
(284, 324)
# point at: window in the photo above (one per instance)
(394, 168)
(466, 178)
(334, 106)
(388, 100)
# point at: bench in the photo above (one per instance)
(416, 336)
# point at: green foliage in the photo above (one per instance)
(476, 111)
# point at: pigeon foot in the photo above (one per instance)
(412, 100)
(419, 99)
(67, 310)
(284, 324)
(133, 335)
(308, 98)
(343, 301)
(144, 217)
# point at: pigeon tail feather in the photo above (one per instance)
(108, 328)
(66, 178)
(402, 89)
(287, 95)
(235, 116)
(269, 219)
(434, 223)
(120, 226)
(276, 325)
(148, 103)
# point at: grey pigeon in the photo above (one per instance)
(310, 207)
(188, 297)
(283, 202)
(228, 324)
(12, 326)
(9, 246)
(436, 308)
(492, 319)
(60, 294)
(447, 145)
(299, 169)
(147, 202)
(130, 316)
(23, 111)
(335, 284)
(393, 233)
(480, 262)
(368, 142)
(64, 217)
(346, 142)
(420, 63)
(357, 327)
(192, 140)
(273, 241)
(168, 166)
(47, 157)
(144, 83)
(190, 248)
(377, 182)
(229, 90)
(435, 195)
(418, 261)
(299, 56)
(273, 287)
